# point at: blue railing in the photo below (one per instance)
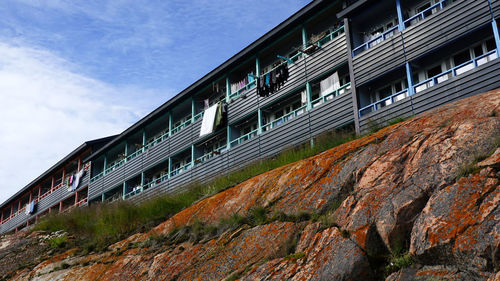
(329, 96)
(284, 118)
(444, 76)
(383, 102)
(425, 13)
(114, 166)
(245, 137)
(457, 70)
(199, 115)
(367, 45)
(135, 154)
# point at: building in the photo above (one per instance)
(332, 64)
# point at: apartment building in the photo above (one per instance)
(333, 64)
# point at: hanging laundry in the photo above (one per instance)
(206, 104)
(76, 180)
(27, 209)
(329, 84)
(208, 122)
(218, 116)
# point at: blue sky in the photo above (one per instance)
(72, 70)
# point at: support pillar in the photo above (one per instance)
(409, 77)
(192, 155)
(304, 37)
(401, 24)
(63, 175)
(228, 89)
(76, 198)
(102, 197)
(105, 164)
(228, 137)
(259, 121)
(309, 96)
(169, 168)
(52, 184)
(126, 151)
(79, 164)
(39, 191)
(143, 140)
(193, 110)
(170, 122)
(124, 191)
(60, 207)
(1, 219)
(496, 35)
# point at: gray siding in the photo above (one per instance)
(331, 54)
(334, 113)
(286, 135)
(437, 30)
(195, 130)
(135, 166)
(181, 140)
(244, 153)
(478, 80)
(241, 107)
(211, 168)
(95, 188)
(379, 59)
(114, 178)
(156, 154)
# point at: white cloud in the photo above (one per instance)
(48, 109)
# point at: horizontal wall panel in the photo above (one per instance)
(296, 79)
(495, 6)
(379, 59)
(181, 179)
(114, 178)
(195, 129)
(332, 114)
(330, 55)
(211, 168)
(244, 153)
(437, 30)
(478, 80)
(286, 135)
(156, 154)
(241, 107)
(181, 140)
(95, 188)
(379, 118)
(135, 166)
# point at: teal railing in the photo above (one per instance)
(285, 118)
(329, 37)
(244, 138)
(344, 88)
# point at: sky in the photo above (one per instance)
(73, 70)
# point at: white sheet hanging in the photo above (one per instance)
(329, 84)
(207, 125)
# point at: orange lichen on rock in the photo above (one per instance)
(405, 187)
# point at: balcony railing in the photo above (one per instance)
(285, 118)
(435, 80)
(335, 93)
(181, 126)
(210, 155)
(181, 169)
(244, 138)
(376, 40)
(383, 102)
(243, 90)
(426, 13)
(457, 70)
(332, 35)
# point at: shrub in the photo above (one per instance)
(58, 242)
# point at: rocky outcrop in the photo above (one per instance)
(415, 200)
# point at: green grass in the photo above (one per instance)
(58, 242)
(100, 225)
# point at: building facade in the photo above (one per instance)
(333, 64)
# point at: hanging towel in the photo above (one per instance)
(329, 84)
(207, 125)
(27, 209)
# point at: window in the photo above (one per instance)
(433, 71)
(461, 57)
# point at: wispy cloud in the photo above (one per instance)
(48, 109)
